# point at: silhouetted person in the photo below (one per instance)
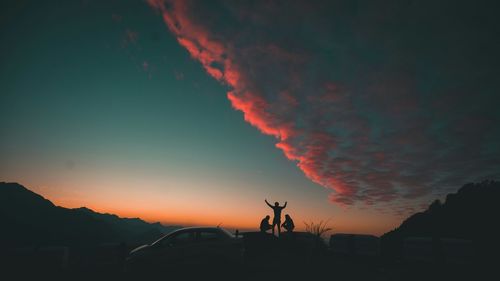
(288, 224)
(264, 224)
(277, 214)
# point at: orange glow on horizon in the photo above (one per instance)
(249, 221)
(184, 208)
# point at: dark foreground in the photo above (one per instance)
(328, 268)
(265, 259)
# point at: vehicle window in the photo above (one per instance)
(205, 236)
(227, 233)
(182, 238)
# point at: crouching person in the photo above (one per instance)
(288, 224)
(265, 225)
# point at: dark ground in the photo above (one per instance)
(326, 267)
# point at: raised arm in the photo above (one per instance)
(284, 206)
(268, 203)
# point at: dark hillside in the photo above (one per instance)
(28, 219)
(471, 213)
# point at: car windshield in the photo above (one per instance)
(227, 232)
(163, 237)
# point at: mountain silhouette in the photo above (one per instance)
(471, 213)
(28, 219)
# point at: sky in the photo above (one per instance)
(193, 112)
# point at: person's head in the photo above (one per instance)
(287, 217)
(268, 217)
(276, 204)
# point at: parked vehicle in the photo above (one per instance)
(192, 246)
(438, 250)
(419, 250)
(355, 245)
(266, 250)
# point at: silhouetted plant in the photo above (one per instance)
(318, 229)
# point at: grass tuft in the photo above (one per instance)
(318, 229)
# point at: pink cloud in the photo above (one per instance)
(355, 127)
(309, 149)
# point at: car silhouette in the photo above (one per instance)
(188, 247)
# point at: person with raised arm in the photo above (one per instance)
(277, 214)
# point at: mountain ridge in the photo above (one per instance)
(29, 219)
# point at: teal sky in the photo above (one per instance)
(102, 107)
(81, 118)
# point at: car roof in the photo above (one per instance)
(199, 228)
(192, 228)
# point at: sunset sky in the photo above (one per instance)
(193, 113)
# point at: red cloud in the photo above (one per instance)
(351, 125)
(309, 149)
